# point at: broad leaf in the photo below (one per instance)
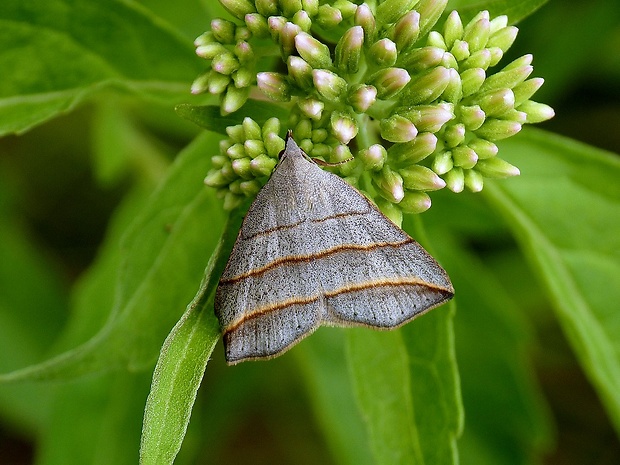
(565, 212)
(61, 52)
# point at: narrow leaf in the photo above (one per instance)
(181, 365)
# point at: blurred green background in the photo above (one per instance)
(59, 197)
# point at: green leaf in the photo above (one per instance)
(165, 252)
(515, 10)
(209, 116)
(323, 363)
(507, 419)
(565, 212)
(182, 363)
(407, 389)
(61, 53)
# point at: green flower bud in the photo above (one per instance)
(536, 112)
(448, 61)
(254, 147)
(328, 16)
(455, 180)
(373, 157)
(504, 38)
(241, 167)
(217, 161)
(365, 19)
(302, 19)
(430, 11)
(251, 129)
(228, 172)
(225, 63)
(311, 108)
(235, 187)
(442, 163)
(238, 8)
(415, 202)
(477, 34)
(236, 151)
(287, 38)
(427, 87)
(233, 99)
(390, 210)
(483, 148)
(223, 31)
(311, 6)
(340, 154)
(362, 97)
(262, 165)
(313, 51)
(497, 103)
(267, 8)
(526, 90)
(473, 180)
(498, 23)
(321, 150)
(215, 178)
(480, 59)
(232, 201)
(250, 188)
(272, 125)
(331, 86)
(390, 184)
(257, 24)
(236, 133)
(429, 118)
(453, 92)
(274, 85)
(300, 71)
(308, 147)
(210, 51)
(242, 34)
(274, 144)
(471, 116)
(290, 7)
(452, 29)
(349, 50)
(406, 31)
(346, 8)
(243, 51)
(419, 59)
(498, 129)
(319, 135)
(242, 77)
(201, 83)
(496, 168)
(218, 83)
(205, 38)
(508, 78)
(389, 11)
(276, 24)
(464, 156)
(472, 80)
(416, 150)
(421, 178)
(397, 128)
(303, 129)
(454, 135)
(343, 127)
(383, 52)
(460, 50)
(496, 55)
(435, 39)
(389, 81)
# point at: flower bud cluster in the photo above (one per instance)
(413, 109)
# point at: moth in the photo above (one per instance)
(313, 251)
